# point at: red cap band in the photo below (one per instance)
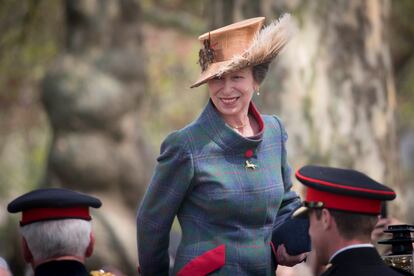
(40, 214)
(344, 202)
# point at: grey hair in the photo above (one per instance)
(260, 72)
(3, 263)
(67, 237)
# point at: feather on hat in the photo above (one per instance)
(240, 45)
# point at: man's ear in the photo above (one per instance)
(326, 219)
(27, 254)
(89, 249)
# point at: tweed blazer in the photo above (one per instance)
(359, 262)
(227, 211)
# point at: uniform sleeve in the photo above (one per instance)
(291, 201)
(172, 177)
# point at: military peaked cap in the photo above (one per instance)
(341, 189)
(53, 204)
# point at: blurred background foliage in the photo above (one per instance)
(32, 35)
(401, 32)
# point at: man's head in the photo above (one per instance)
(330, 229)
(54, 238)
(55, 224)
(342, 206)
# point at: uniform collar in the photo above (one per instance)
(350, 247)
(64, 267)
(228, 139)
(361, 253)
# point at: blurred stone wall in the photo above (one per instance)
(92, 94)
(334, 88)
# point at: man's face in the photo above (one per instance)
(319, 238)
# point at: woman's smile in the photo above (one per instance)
(229, 100)
(231, 94)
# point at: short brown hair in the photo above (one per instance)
(351, 225)
(260, 71)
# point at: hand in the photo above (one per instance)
(378, 234)
(382, 224)
(283, 258)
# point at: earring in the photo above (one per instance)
(258, 92)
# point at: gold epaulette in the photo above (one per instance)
(101, 272)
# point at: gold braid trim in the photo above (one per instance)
(101, 272)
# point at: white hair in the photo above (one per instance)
(3, 264)
(66, 237)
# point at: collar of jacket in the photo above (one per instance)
(228, 139)
(62, 267)
(358, 256)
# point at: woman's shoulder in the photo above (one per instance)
(178, 140)
(275, 126)
(181, 135)
(274, 120)
(173, 146)
(175, 138)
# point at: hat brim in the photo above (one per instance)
(211, 72)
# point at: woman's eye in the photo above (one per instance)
(237, 77)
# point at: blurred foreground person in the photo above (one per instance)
(302, 269)
(225, 176)
(56, 230)
(343, 207)
(4, 268)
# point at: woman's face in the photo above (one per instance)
(232, 92)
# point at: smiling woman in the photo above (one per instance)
(231, 95)
(225, 176)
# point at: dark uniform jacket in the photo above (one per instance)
(359, 261)
(61, 268)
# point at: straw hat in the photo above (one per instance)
(240, 45)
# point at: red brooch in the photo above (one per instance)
(249, 153)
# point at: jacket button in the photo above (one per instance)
(248, 153)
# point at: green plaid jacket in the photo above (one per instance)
(226, 211)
